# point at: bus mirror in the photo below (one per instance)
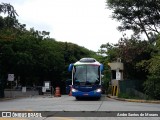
(70, 67)
(101, 67)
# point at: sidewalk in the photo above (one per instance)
(19, 97)
(134, 100)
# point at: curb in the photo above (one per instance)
(4, 99)
(135, 100)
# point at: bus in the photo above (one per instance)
(86, 78)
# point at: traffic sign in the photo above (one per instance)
(10, 77)
(118, 76)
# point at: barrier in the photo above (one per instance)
(115, 90)
(57, 92)
(112, 90)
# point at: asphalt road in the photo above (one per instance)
(68, 103)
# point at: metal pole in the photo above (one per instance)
(11, 90)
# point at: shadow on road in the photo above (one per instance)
(91, 98)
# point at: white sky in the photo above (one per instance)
(83, 22)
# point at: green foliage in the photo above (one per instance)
(152, 84)
(137, 15)
(107, 75)
(111, 51)
(32, 55)
(131, 52)
(141, 62)
(9, 9)
(106, 72)
(141, 58)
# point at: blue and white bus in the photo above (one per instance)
(86, 78)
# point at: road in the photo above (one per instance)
(69, 103)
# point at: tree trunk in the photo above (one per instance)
(143, 28)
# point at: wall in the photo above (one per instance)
(14, 94)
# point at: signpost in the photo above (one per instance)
(23, 89)
(43, 89)
(47, 87)
(11, 78)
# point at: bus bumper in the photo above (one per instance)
(86, 94)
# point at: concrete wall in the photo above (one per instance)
(116, 65)
(14, 94)
(117, 75)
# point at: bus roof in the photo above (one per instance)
(87, 61)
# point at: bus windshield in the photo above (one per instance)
(88, 74)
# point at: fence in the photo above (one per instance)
(132, 87)
(134, 84)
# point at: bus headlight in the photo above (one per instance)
(74, 90)
(98, 90)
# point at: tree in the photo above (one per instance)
(32, 55)
(152, 84)
(9, 9)
(132, 52)
(111, 51)
(137, 15)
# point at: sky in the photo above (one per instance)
(87, 23)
